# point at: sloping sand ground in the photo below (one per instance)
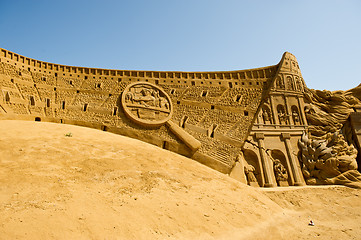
(98, 185)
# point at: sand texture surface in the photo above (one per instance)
(98, 185)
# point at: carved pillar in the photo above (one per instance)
(269, 180)
(296, 170)
(302, 110)
(289, 112)
(274, 111)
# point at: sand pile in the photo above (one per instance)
(97, 185)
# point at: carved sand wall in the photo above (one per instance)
(203, 115)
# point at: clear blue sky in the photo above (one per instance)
(190, 35)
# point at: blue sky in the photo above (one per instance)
(184, 35)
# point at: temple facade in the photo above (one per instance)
(271, 149)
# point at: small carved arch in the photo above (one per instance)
(251, 159)
(290, 85)
(266, 115)
(300, 84)
(280, 83)
(295, 115)
(282, 116)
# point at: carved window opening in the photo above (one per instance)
(37, 119)
(71, 82)
(104, 128)
(165, 145)
(47, 102)
(12, 80)
(178, 102)
(212, 107)
(183, 121)
(85, 107)
(7, 97)
(230, 85)
(119, 80)
(44, 79)
(172, 91)
(98, 85)
(115, 111)
(193, 83)
(212, 130)
(238, 98)
(204, 93)
(63, 105)
(246, 113)
(32, 101)
(156, 81)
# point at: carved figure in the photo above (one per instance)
(280, 171)
(280, 84)
(282, 116)
(266, 116)
(249, 171)
(295, 117)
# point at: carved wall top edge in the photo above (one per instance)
(53, 67)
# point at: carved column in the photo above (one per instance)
(302, 110)
(274, 111)
(295, 168)
(267, 165)
(289, 112)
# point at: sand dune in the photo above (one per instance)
(98, 185)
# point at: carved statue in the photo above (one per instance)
(295, 117)
(280, 171)
(282, 116)
(266, 116)
(249, 171)
(280, 84)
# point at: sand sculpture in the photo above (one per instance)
(244, 123)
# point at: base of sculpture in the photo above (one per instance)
(254, 184)
(283, 184)
(269, 185)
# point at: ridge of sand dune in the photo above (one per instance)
(98, 185)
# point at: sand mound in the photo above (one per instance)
(98, 185)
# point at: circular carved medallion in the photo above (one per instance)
(146, 104)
